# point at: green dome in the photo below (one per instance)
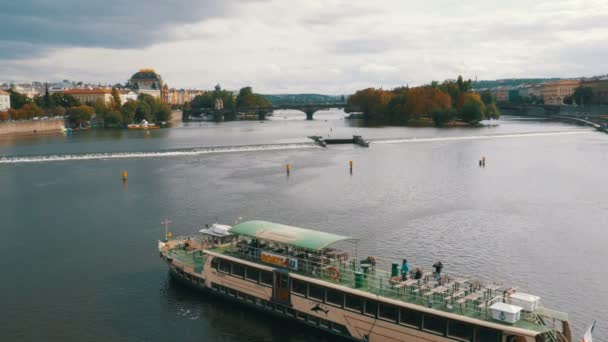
(145, 74)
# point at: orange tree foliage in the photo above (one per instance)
(401, 104)
(26, 112)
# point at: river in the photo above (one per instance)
(79, 249)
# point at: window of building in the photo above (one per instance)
(253, 274)
(298, 287)
(215, 287)
(324, 323)
(232, 292)
(290, 312)
(371, 307)
(388, 312)
(316, 292)
(240, 295)
(313, 320)
(486, 335)
(335, 297)
(301, 316)
(250, 299)
(225, 266)
(238, 270)
(411, 318)
(266, 278)
(434, 324)
(268, 305)
(353, 303)
(460, 330)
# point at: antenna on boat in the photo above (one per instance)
(166, 223)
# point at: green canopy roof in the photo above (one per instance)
(289, 235)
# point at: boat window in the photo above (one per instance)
(324, 323)
(266, 278)
(486, 335)
(371, 307)
(298, 287)
(354, 303)
(268, 304)
(388, 312)
(225, 266)
(250, 299)
(253, 274)
(301, 316)
(238, 270)
(312, 319)
(290, 312)
(215, 286)
(460, 330)
(231, 292)
(335, 297)
(316, 292)
(434, 324)
(339, 328)
(411, 318)
(240, 295)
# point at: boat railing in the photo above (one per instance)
(460, 295)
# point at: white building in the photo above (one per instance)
(126, 95)
(5, 101)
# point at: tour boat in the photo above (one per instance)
(313, 277)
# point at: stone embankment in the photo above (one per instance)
(31, 126)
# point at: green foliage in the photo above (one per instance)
(583, 95)
(18, 100)
(442, 117)
(143, 112)
(486, 97)
(492, 111)
(207, 100)
(116, 103)
(113, 119)
(128, 112)
(472, 111)
(247, 99)
(80, 114)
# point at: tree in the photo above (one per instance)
(247, 99)
(472, 111)
(486, 97)
(113, 119)
(128, 112)
(64, 100)
(583, 95)
(143, 112)
(29, 111)
(4, 116)
(48, 103)
(492, 111)
(442, 117)
(116, 103)
(80, 114)
(18, 100)
(58, 111)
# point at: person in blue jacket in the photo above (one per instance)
(405, 269)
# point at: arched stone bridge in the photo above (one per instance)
(262, 112)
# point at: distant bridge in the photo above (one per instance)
(261, 112)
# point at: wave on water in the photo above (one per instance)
(478, 137)
(156, 154)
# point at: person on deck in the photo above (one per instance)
(405, 269)
(438, 266)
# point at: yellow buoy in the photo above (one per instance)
(124, 175)
(350, 163)
(287, 168)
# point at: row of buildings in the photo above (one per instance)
(145, 81)
(551, 92)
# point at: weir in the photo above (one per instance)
(356, 139)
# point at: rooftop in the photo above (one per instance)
(288, 235)
(79, 91)
(2, 92)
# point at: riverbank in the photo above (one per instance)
(31, 127)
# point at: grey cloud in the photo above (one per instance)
(40, 24)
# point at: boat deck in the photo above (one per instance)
(457, 295)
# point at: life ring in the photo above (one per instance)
(334, 273)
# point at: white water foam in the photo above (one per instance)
(159, 154)
(478, 137)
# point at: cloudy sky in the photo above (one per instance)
(290, 46)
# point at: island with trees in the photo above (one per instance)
(451, 103)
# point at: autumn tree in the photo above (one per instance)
(80, 114)
(116, 102)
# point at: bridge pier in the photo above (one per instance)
(309, 113)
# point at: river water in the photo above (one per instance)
(79, 252)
